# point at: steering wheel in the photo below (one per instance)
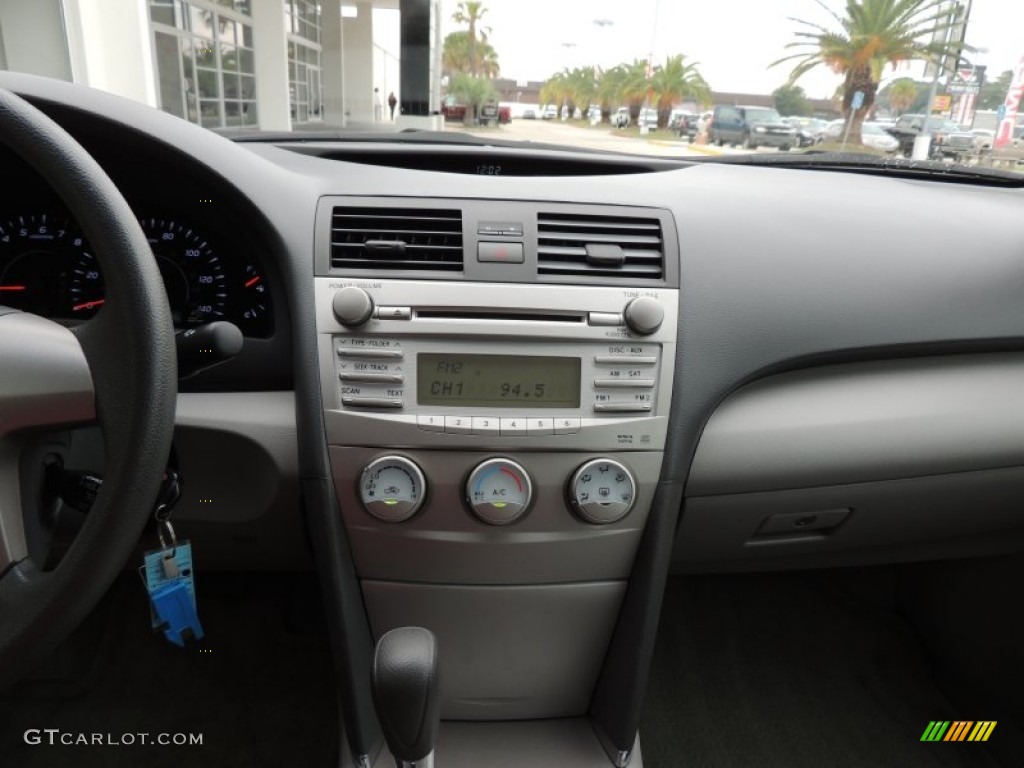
(118, 370)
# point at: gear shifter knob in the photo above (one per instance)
(406, 692)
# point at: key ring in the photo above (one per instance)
(165, 533)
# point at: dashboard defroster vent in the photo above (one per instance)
(600, 246)
(396, 239)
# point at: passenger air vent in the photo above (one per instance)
(601, 246)
(396, 239)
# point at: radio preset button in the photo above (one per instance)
(458, 425)
(540, 426)
(430, 423)
(513, 427)
(567, 425)
(625, 360)
(624, 383)
(623, 407)
(373, 402)
(485, 425)
(371, 354)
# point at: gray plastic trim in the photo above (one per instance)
(865, 421)
(507, 653)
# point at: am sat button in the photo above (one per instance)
(507, 253)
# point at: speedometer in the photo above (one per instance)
(192, 273)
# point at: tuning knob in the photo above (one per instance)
(352, 306)
(644, 315)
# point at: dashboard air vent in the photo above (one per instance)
(396, 238)
(601, 246)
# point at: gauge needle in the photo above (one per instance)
(88, 305)
(252, 282)
(12, 288)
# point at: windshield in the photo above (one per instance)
(590, 74)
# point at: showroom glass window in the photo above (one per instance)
(206, 68)
(302, 22)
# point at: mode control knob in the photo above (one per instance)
(644, 315)
(499, 491)
(392, 488)
(352, 306)
(602, 491)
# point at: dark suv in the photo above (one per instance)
(752, 127)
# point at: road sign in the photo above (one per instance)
(942, 103)
(959, 88)
(858, 100)
(1001, 113)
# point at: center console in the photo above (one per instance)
(496, 429)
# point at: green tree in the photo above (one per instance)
(902, 94)
(791, 100)
(456, 56)
(676, 81)
(472, 91)
(470, 12)
(993, 93)
(871, 34)
(556, 89)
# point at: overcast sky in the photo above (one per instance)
(734, 41)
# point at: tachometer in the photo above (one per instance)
(192, 272)
(36, 256)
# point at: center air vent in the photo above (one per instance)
(600, 246)
(396, 239)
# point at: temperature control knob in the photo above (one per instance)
(392, 488)
(498, 491)
(644, 315)
(352, 306)
(602, 491)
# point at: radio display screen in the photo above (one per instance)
(511, 381)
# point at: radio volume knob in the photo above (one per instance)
(352, 306)
(644, 315)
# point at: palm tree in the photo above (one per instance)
(634, 86)
(472, 91)
(456, 56)
(470, 12)
(902, 94)
(675, 81)
(556, 89)
(871, 34)
(582, 84)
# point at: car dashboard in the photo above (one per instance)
(506, 406)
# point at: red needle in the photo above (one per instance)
(88, 305)
(13, 288)
(252, 282)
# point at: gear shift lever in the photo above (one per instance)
(406, 694)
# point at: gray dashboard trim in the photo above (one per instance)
(864, 421)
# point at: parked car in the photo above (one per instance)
(809, 129)
(872, 135)
(550, 112)
(684, 123)
(621, 118)
(529, 114)
(648, 117)
(983, 139)
(752, 127)
(948, 139)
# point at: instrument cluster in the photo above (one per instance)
(48, 268)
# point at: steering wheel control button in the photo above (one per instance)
(621, 407)
(430, 423)
(371, 354)
(567, 425)
(458, 425)
(602, 491)
(540, 426)
(394, 313)
(359, 401)
(604, 319)
(513, 427)
(499, 491)
(486, 425)
(352, 306)
(392, 488)
(644, 315)
(502, 253)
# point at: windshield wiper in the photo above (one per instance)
(853, 162)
